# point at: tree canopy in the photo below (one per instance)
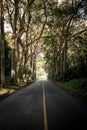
(28, 27)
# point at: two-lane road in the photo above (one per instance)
(42, 106)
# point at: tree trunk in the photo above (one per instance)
(65, 59)
(0, 42)
(2, 63)
(34, 67)
(65, 63)
(13, 71)
(25, 66)
(31, 61)
(19, 60)
(14, 38)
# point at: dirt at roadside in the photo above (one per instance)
(6, 93)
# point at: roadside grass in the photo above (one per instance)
(3, 91)
(77, 87)
(10, 89)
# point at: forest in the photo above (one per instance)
(56, 28)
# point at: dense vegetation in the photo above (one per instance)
(28, 27)
(66, 43)
(22, 24)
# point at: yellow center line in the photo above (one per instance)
(44, 110)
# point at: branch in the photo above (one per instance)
(30, 3)
(9, 14)
(45, 12)
(75, 35)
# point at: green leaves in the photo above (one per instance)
(66, 43)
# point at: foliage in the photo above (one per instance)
(79, 85)
(66, 44)
(24, 23)
(58, 29)
(71, 73)
(7, 61)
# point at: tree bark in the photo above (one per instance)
(65, 58)
(34, 67)
(2, 63)
(14, 38)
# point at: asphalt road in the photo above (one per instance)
(29, 110)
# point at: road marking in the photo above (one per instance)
(44, 109)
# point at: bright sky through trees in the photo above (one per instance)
(40, 65)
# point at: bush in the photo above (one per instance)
(71, 73)
(8, 80)
(55, 77)
(82, 70)
(77, 84)
(50, 76)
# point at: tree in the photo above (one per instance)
(2, 63)
(27, 20)
(66, 21)
(7, 60)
